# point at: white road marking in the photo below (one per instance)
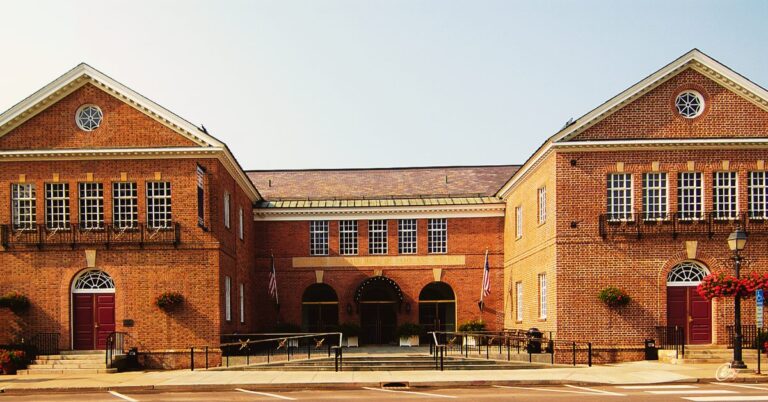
(121, 396)
(596, 391)
(410, 392)
(265, 394)
(658, 387)
(761, 388)
(727, 398)
(701, 391)
(590, 391)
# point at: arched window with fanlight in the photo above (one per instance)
(319, 308)
(437, 307)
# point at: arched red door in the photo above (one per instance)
(93, 310)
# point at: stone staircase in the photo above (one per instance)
(391, 363)
(703, 354)
(70, 362)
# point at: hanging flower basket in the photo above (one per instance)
(169, 300)
(17, 302)
(721, 285)
(755, 281)
(613, 297)
(11, 360)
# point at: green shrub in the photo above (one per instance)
(169, 300)
(472, 326)
(409, 329)
(613, 297)
(17, 302)
(349, 329)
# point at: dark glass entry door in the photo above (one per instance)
(378, 321)
(687, 309)
(94, 319)
(437, 316)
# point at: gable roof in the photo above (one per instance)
(83, 74)
(387, 183)
(694, 59)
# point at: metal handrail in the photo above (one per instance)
(115, 344)
(287, 341)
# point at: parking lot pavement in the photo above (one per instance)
(702, 392)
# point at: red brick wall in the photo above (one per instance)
(122, 126)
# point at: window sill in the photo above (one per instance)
(542, 319)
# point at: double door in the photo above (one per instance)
(93, 320)
(378, 322)
(687, 309)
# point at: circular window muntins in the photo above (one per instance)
(689, 104)
(88, 117)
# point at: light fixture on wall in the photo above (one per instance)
(349, 308)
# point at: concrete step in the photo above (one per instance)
(93, 357)
(66, 371)
(67, 366)
(82, 352)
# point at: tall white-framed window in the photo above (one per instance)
(240, 222)
(725, 193)
(348, 237)
(200, 174)
(125, 206)
(318, 238)
(655, 196)
(619, 197)
(242, 303)
(226, 211)
(159, 205)
(24, 206)
(228, 298)
(519, 301)
(542, 197)
(519, 222)
(406, 236)
(690, 195)
(91, 201)
(377, 236)
(437, 236)
(542, 296)
(57, 205)
(758, 195)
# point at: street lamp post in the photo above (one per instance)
(736, 242)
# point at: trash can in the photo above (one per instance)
(132, 359)
(651, 352)
(534, 340)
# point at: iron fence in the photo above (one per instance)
(73, 235)
(671, 338)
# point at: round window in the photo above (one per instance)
(689, 104)
(88, 117)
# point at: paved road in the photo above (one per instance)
(680, 392)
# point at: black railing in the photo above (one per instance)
(749, 338)
(671, 338)
(45, 343)
(73, 235)
(640, 225)
(115, 347)
(242, 349)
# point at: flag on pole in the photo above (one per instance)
(486, 288)
(273, 282)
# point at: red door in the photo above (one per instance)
(687, 309)
(94, 319)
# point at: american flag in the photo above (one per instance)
(273, 282)
(486, 279)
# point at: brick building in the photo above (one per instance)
(113, 201)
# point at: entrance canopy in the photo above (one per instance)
(378, 288)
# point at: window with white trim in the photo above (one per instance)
(619, 196)
(23, 206)
(542, 192)
(242, 303)
(91, 200)
(690, 199)
(655, 198)
(437, 236)
(519, 301)
(518, 222)
(318, 238)
(125, 207)
(542, 296)
(200, 173)
(725, 193)
(226, 210)
(227, 298)
(57, 205)
(758, 195)
(348, 237)
(377, 236)
(159, 205)
(240, 229)
(406, 236)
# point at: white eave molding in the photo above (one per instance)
(410, 212)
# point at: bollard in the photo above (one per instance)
(192, 358)
(206, 357)
(574, 353)
(442, 358)
(589, 357)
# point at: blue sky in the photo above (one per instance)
(322, 84)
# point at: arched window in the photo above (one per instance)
(94, 281)
(437, 307)
(319, 308)
(688, 273)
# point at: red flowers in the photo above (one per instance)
(722, 285)
(11, 356)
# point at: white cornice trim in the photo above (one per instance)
(222, 154)
(410, 212)
(695, 143)
(523, 171)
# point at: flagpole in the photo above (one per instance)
(482, 281)
(277, 298)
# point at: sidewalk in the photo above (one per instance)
(644, 372)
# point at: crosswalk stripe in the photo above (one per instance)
(592, 392)
(688, 391)
(121, 396)
(726, 398)
(758, 387)
(265, 394)
(410, 392)
(595, 391)
(642, 387)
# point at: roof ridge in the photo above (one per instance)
(382, 168)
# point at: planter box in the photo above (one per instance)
(469, 341)
(352, 342)
(409, 340)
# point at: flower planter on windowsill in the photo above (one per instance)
(409, 340)
(352, 342)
